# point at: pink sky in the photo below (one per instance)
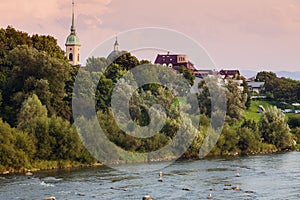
(244, 34)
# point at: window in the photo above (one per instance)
(170, 65)
(78, 59)
(70, 56)
(70, 49)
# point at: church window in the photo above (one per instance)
(71, 57)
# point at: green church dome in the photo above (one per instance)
(72, 39)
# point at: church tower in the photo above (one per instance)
(115, 53)
(73, 44)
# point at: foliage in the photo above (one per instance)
(227, 142)
(294, 121)
(249, 137)
(280, 89)
(187, 74)
(36, 90)
(32, 109)
(274, 129)
(252, 111)
(16, 148)
(236, 101)
(39, 138)
(20, 57)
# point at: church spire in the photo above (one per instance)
(73, 43)
(116, 45)
(73, 24)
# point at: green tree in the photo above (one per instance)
(227, 143)
(294, 121)
(37, 72)
(126, 61)
(14, 146)
(274, 129)
(96, 64)
(47, 44)
(235, 102)
(249, 140)
(32, 109)
(187, 73)
(265, 76)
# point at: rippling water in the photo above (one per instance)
(268, 177)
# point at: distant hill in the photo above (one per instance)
(248, 73)
(287, 74)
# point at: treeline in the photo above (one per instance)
(106, 76)
(35, 104)
(36, 125)
(279, 89)
(246, 136)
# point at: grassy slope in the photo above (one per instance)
(252, 113)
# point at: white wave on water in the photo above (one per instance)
(52, 179)
(46, 184)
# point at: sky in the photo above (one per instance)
(237, 34)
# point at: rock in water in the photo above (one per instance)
(50, 198)
(209, 196)
(147, 198)
(28, 173)
(236, 188)
(161, 174)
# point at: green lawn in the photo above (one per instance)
(252, 112)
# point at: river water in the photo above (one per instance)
(266, 176)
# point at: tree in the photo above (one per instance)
(96, 64)
(47, 44)
(249, 140)
(274, 129)
(265, 76)
(247, 92)
(187, 73)
(32, 109)
(294, 121)
(227, 142)
(39, 73)
(15, 148)
(126, 61)
(235, 102)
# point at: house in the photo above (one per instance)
(232, 75)
(256, 87)
(229, 73)
(202, 73)
(174, 61)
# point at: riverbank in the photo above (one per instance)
(48, 165)
(55, 165)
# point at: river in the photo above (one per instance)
(268, 177)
